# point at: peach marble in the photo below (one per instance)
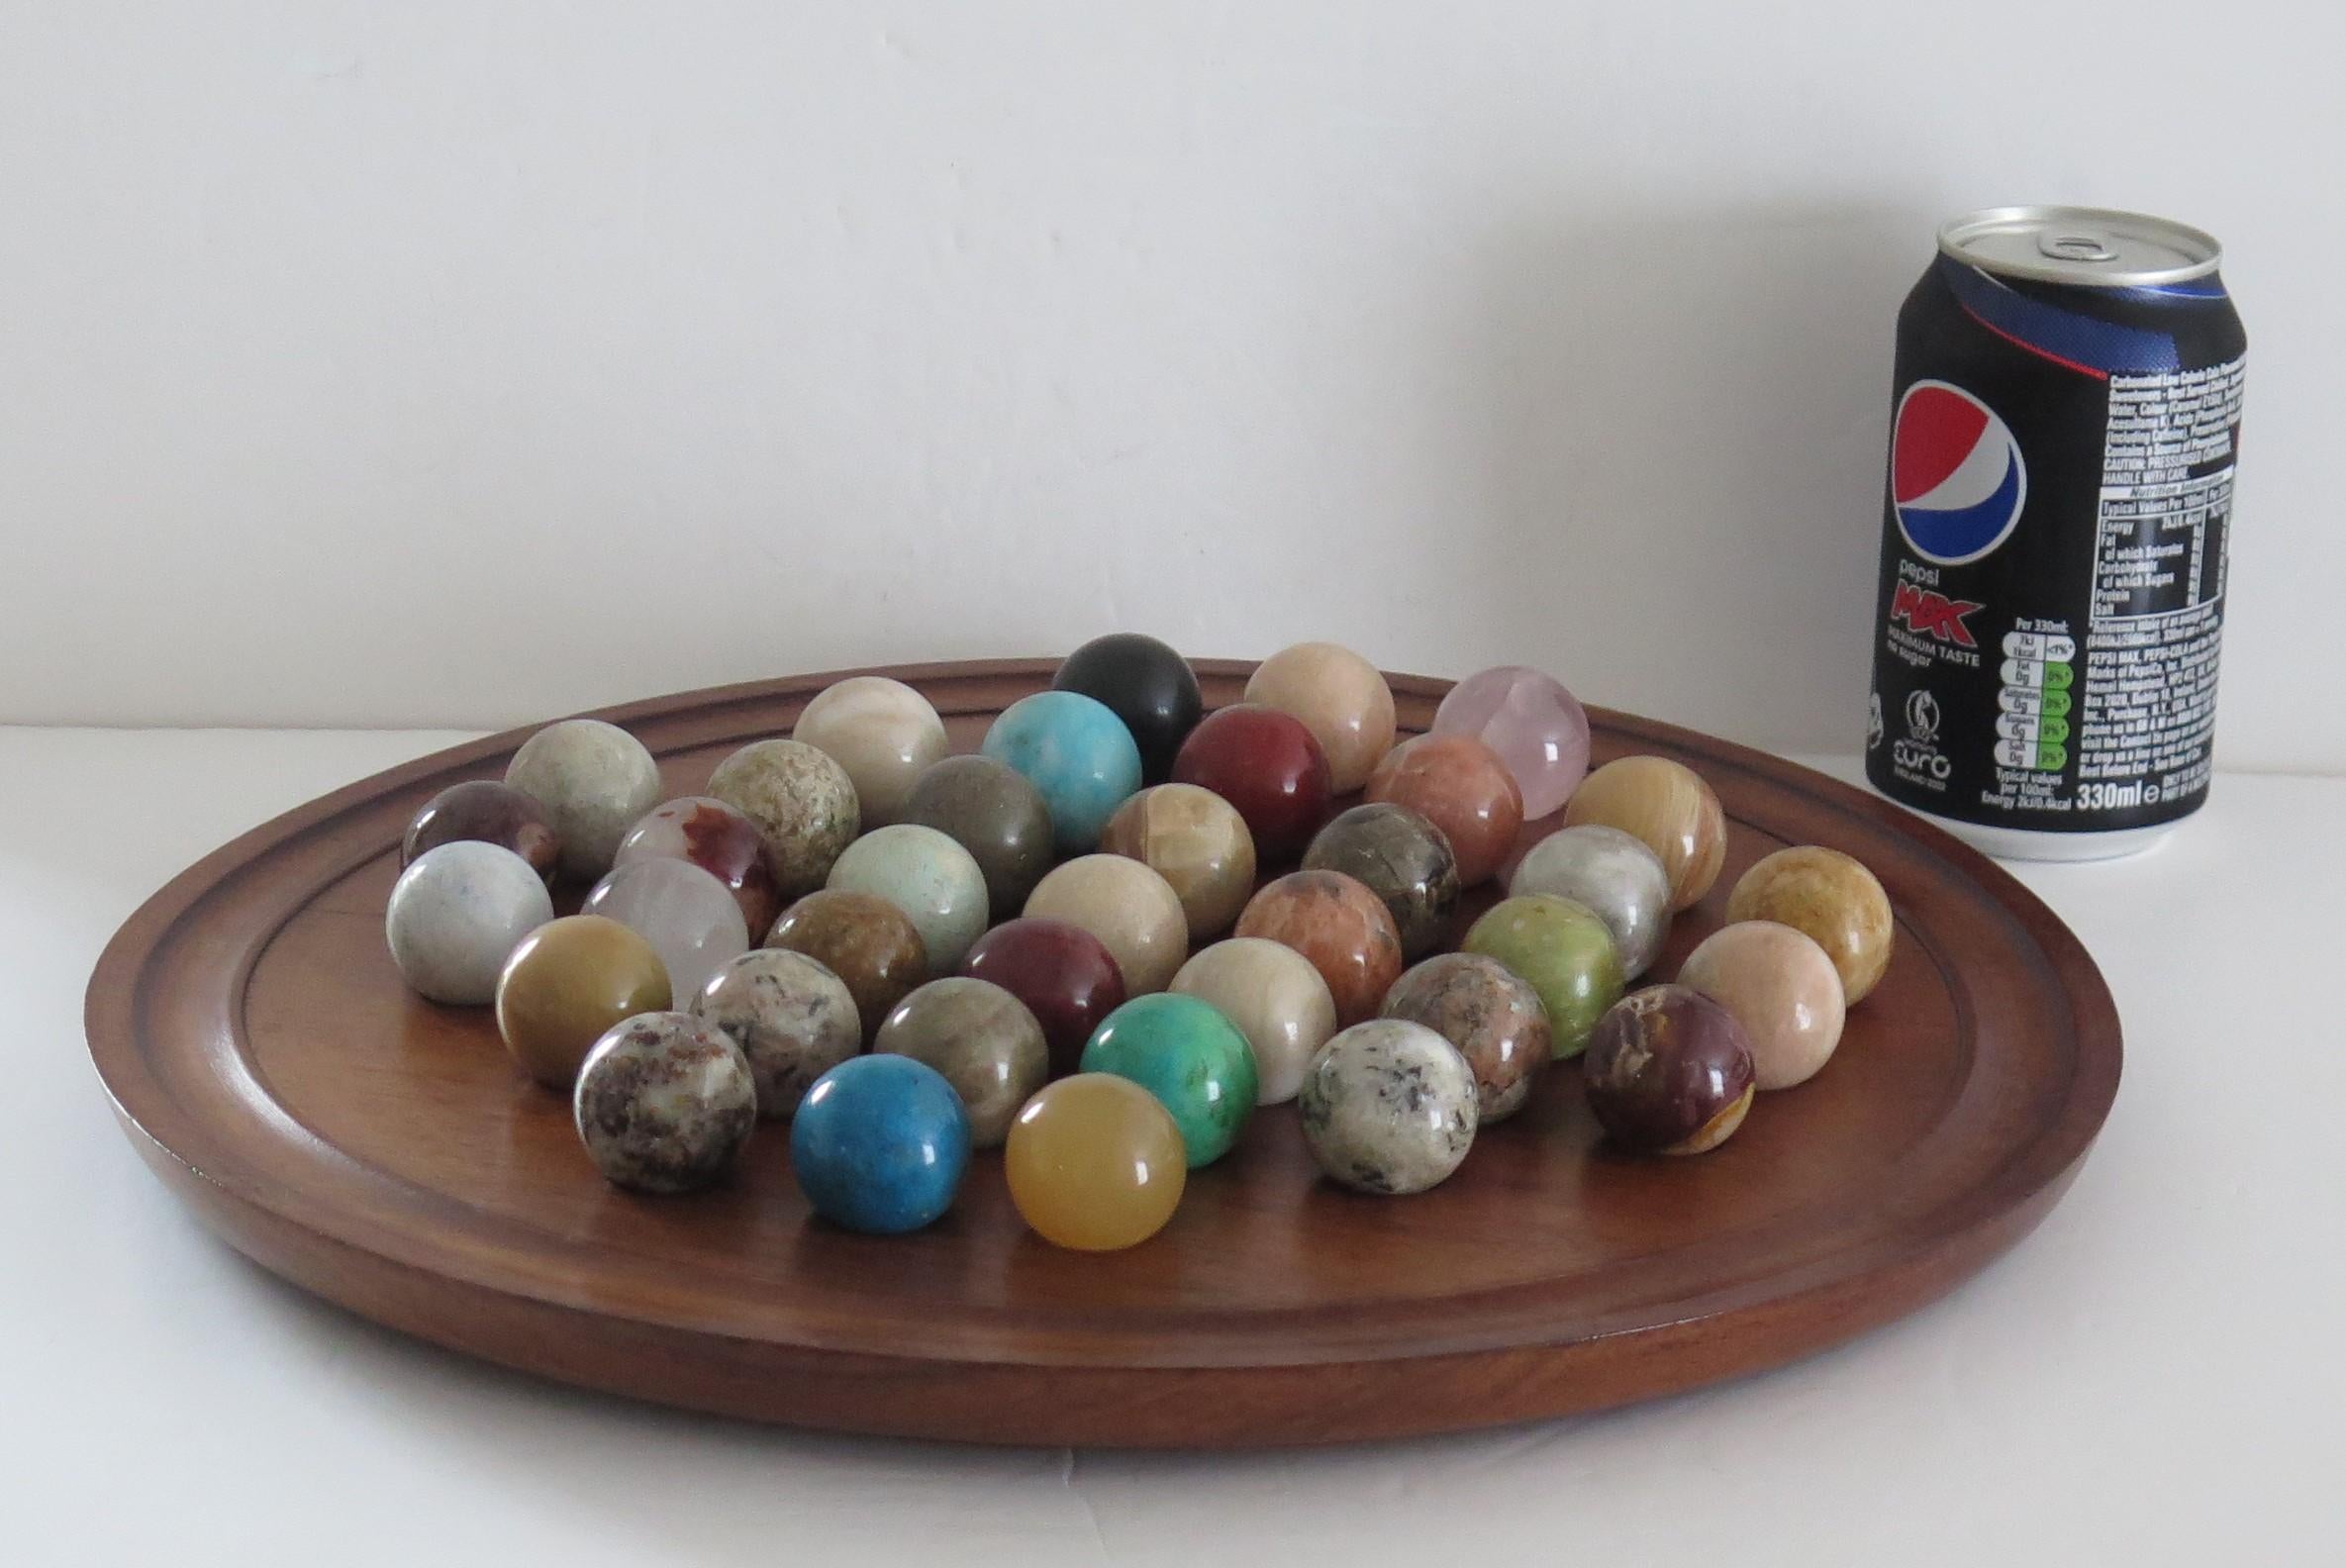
(1341, 697)
(1342, 928)
(1460, 785)
(1782, 990)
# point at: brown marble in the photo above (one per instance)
(864, 939)
(983, 1040)
(804, 805)
(1494, 1019)
(1198, 842)
(994, 812)
(1402, 858)
(1460, 785)
(1339, 926)
(1668, 1071)
(568, 981)
(492, 813)
(664, 1104)
(1833, 900)
(1665, 806)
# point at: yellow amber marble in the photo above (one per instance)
(1095, 1163)
(1833, 900)
(1667, 807)
(568, 981)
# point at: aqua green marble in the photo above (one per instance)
(1188, 1054)
(1561, 950)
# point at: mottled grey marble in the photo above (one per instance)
(593, 780)
(457, 912)
(665, 1102)
(1611, 872)
(792, 1019)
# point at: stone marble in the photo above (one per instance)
(1400, 856)
(688, 917)
(1191, 1058)
(567, 983)
(1563, 951)
(457, 914)
(664, 1104)
(1341, 697)
(984, 1040)
(804, 805)
(1276, 998)
(1267, 764)
(869, 942)
(1538, 729)
(792, 1019)
(593, 780)
(1665, 806)
(1611, 873)
(1389, 1106)
(1077, 752)
(930, 877)
(1143, 682)
(1460, 785)
(1133, 911)
(882, 731)
(1831, 898)
(879, 1144)
(1065, 975)
(488, 812)
(1198, 842)
(1782, 988)
(1340, 928)
(1495, 1020)
(1095, 1163)
(718, 838)
(993, 810)
(1668, 1072)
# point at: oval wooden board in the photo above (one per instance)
(382, 1151)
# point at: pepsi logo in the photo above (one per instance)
(1956, 478)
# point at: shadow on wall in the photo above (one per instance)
(1681, 475)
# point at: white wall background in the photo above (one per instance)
(464, 363)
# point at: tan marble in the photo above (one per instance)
(1276, 998)
(1833, 898)
(1198, 842)
(804, 805)
(1667, 807)
(882, 731)
(1134, 910)
(1341, 697)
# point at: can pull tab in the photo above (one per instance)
(2074, 246)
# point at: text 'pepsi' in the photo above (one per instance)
(2050, 607)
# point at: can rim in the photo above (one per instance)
(2198, 243)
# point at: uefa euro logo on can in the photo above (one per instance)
(2054, 540)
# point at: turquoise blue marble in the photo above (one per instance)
(1077, 752)
(879, 1144)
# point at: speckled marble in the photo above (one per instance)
(804, 805)
(930, 877)
(1494, 1019)
(1400, 856)
(718, 839)
(1666, 806)
(491, 812)
(792, 1019)
(1782, 988)
(1831, 898)
(1341, 697)
(1389, 1106)
(1135, 913)
(593, 780)
(867, 941)
(1198, 842)
(688, 917)
(1276, 998)
(1538, 729)
(664, 1104)
(994, 812)
(1339, 926)
(882, 731)
(1613, 873)
(1668, 1072)
(457, 914)
(983, 1040)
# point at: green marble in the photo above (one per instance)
(1561, 950)
(1190, 1056)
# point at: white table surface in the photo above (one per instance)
(2155, 1376)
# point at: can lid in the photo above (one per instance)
(2089, 246)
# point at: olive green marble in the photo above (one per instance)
(1564, 952)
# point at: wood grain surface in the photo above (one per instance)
(383, 1152)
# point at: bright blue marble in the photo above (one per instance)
(1077, 752)
(880, 1143)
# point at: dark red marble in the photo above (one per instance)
(1668, 1071)
(1064, 974)
(490, 812)
(1266, 764)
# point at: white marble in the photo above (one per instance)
(455, 916)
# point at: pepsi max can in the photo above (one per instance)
(2051, 601)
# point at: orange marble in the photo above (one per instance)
(1341, 929)
(1460, 785)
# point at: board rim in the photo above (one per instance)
(1584, 1367)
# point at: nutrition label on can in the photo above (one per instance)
(2147, 711)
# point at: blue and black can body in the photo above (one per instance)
(2050, 607)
